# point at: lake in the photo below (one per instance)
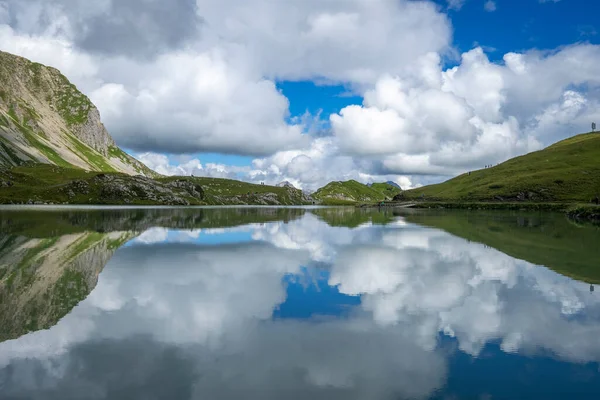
(297, 303)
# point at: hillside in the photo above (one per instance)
(354, 192)
(567, 171)
(45, 119)
(542, 239)
(44, 183)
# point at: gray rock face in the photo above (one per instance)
(93, 133)
(44, 118)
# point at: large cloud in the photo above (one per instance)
(200, 76)
(476, 113)
(197, 77)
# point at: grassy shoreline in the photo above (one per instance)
(576, 211)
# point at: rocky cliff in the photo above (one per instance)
(43, 279)
(45, 119)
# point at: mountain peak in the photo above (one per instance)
(44, 118)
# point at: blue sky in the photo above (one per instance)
(514, 26)
(311, 92)
(522, 25)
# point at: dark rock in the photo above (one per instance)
(79, 186)
(398, 197)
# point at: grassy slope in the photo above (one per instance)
(542, 239)
(218, 189)
(44, 182)
(568, 171)
(349, 192)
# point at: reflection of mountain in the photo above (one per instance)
(50, 261)
(36, 223)
(543, 239)
(199, 317)
(43, 279)
(351, 217)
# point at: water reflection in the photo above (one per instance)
(301, 305)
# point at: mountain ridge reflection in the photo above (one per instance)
(209, 311)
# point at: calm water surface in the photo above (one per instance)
(261, 303)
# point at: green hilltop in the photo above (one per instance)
(350, 192)
(567, 171)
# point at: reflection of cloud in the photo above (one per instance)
(153, 235)
(208, 309)
(283, 359)
(176, 292)
(434, 282)
(207, 302)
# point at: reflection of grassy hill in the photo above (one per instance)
(542, 239)
(568, 171)
(50, 261)
(350, 192)
(351, 217)
(43, 224)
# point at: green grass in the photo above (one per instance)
(547, 239)
(70, 289)
(31, 137)
(89, 155)
(71, 104)
(41, 182)
(24, 269)
(84, 244)
(13, 158)
(4, 121)
(49, 183)
(47, 151)
(216, 189)
(348, 192)
(568, 171)
(388, 190)
(114, 244)
(44, 224)
(36, 69)
(12, 113)
(351, 217)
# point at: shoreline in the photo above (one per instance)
(575, 211)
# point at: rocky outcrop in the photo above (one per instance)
(44, 118)
(115, 189)
(93, 133)
(399, 197)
